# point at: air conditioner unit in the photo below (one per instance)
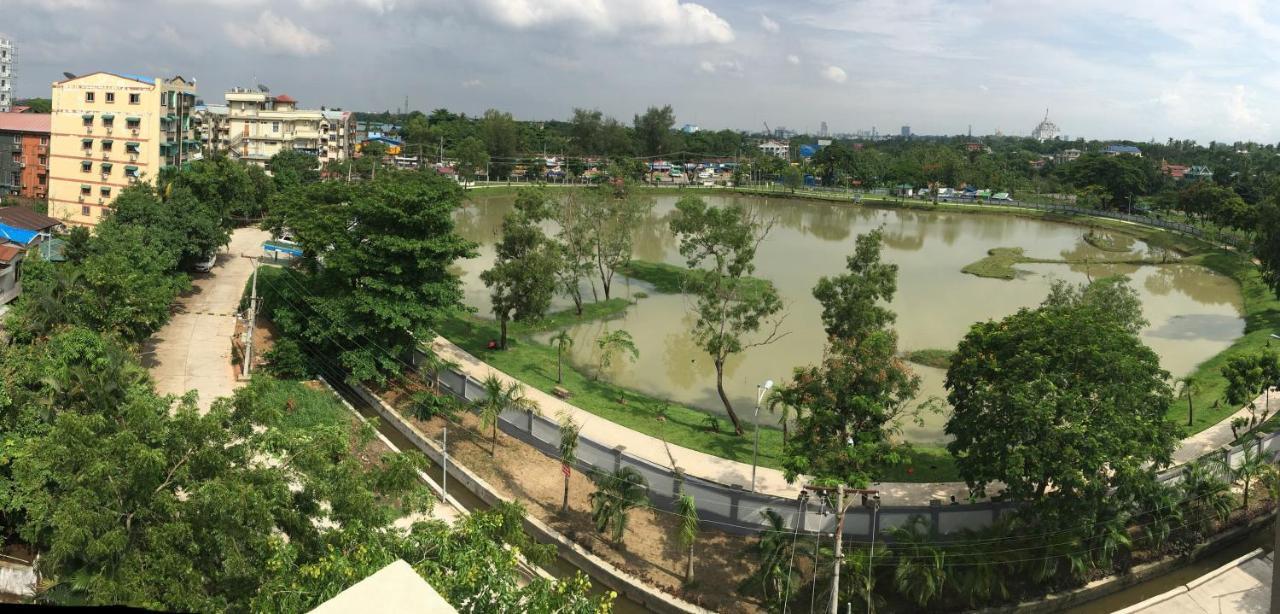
(81, 198)
(106, 155)
(101, 200)
(134, 131)
(133, 157)
(88, 129)
(108, 129)
(106, 175)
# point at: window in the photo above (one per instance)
(106, 191)
(44, 140)
(43, 159)
(17, 156)
(88, 96)
(111, 97)
(135, 98)
(106, 145)
(86, 166)
(88, 121)
(108, 120)
(84, 190)
(275, 126)
(41, 178)
(84, 210)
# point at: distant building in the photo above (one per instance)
(110, 130)
(1176, 171)
(1067, 155)
(1127, 150)
(822, 130)
(6, 74)
(1199, 172)
(905, 132)
(213, 127)
(777, 149)
(260, 125)
(24, 155)
(1045, 130)
(690, 128)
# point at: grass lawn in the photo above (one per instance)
(535, 364)
(998, 264)
(312, 406)
(937, 358)
(674, 279)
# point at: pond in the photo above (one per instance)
(1194, 313)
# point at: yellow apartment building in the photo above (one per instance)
(257, 125)
(109, 131)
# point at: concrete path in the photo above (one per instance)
(1243, 585)
(770, 481)
(193, 351)
(1217, 436)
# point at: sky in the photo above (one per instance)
(1105, 69)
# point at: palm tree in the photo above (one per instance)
(777, 403)
(435, 364)
(1189, 388)
(920, 569)
(569, 431)
(1252, 464)
(499, 397)
(774, 576)
(615, 496)
(1164, 513)
(1208, 496)
(562, 340)
(687, 531)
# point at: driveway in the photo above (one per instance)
(193, 351)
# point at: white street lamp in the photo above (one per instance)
(755, 456)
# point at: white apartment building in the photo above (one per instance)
(776, 149)
(258, 125)
(6, 74)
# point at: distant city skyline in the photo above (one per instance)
(1137, 70)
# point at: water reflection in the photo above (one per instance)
(1193, 312)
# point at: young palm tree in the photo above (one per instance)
(774, 577)
(687, 531)
(615, 496)
(562, 340)
(1208, 496)
(435, 364)
(778, 404)
(1164, 513)
(1189, 387)
(497, 399)
(920, 569)
(569, 431)
(1252, 464)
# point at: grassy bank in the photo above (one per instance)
(535, 364)
(936, 358)
(675, 279)
(998, 264)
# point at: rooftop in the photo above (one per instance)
(21, 217)
(394, 588)
(25, 122)
(8, 252)
(285, 98)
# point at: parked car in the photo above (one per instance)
(206, 264)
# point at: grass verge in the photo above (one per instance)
(675, 279)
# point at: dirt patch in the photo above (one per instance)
(649, 549)
(264, 338)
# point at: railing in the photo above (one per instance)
(731, 508)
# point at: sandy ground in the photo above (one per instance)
(649, 549)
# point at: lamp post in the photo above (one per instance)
(755, 455)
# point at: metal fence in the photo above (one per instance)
(733, 509)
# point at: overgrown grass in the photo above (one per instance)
(600, 310)
(933, 357)
(535, 365)
(302, 406)
(675, 279)
(998, 264)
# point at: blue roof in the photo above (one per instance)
(141, 78)
(21, 236)
(385, 139)
(1123, 149)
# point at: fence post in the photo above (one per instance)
(617, 457)
(529, 420)
(735, 501)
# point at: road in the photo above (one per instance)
(193, 351)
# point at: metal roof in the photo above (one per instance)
(25, 122)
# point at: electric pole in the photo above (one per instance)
(871, 500)
(253, 317)
(839, 553)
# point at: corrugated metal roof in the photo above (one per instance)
(8, 252)
(21, 217)
(37, 123)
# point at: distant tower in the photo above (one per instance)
(970, 130)
(822, 130)
(6, 74)
(1046, 130)
(905, 132)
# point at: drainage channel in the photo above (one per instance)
(559, 568)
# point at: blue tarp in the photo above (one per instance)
(21, 236)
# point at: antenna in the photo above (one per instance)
(263, 88)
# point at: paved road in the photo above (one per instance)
(769, 481)
(1243, 585)
(193, 351)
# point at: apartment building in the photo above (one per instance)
(110, 130)
(24, 154)
(6, 74)
(259, 125)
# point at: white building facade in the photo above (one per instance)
(257, 125)
(6, 74)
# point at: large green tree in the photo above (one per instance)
(472, 158)
(501, 136)
(178, 221)
(731, 311)
(376, 274)
(654, 130)
(522, 281)
(1062, 397)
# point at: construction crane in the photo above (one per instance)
(767, 131)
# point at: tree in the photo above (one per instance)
(562, 340)
(1249, 376)
(179, 222)
(616, 495)
(611, 218)
(585, 131)
(291, 168)
(569, 431)
(852, 303)
(774, 577)
(522, 281)
(1189, 388)
(612, 343)
(1252, 464)
(234, 190)
(472, 158)
(577, 243)
(687, 530)
(499, 397)
(723, 242)
(653, 130)
(377, 268)
(778, 403)
(501, 138)
(1064, 395)
(920, 568)
(792, 177)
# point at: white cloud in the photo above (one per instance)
(793, 59)
(769, 25)
(470, 83)
(723, 66)
(277, 34)
(1241, 114)
(669, 22)
(834, 74)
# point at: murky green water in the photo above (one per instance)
(1194, 313)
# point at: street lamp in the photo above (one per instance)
(755, 455)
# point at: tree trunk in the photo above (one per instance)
(502, 341)
(559, 360)
(1190, 410)
(724, 398)
(493, 443)
(688, 570)
(564, 507)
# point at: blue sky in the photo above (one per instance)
(1136, 69)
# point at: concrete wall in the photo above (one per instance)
(17, 579)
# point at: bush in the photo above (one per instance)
(287, 360)
(428, 405)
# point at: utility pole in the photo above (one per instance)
(870, 499)
(253, 317)
(839, 553)
(1275, 571)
